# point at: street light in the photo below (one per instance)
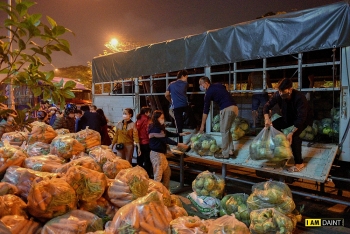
(119, 46)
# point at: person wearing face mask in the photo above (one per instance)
(228, 113)
(177, 96)
(158, 140)
(125, 137)
(142, 123)
(295, 111)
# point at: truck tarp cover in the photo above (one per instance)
(307, 30)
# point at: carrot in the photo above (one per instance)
(66, 228)
(135, 220)
(161, 213)
(150, 228)
(31, 227)
(118, 188)
(147, 215)
(39, 199)
(19, 226)
(168, 215)
(158, 221)
(118, 194)
(143, 232)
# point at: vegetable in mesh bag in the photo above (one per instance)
(89, 138)
(7, 188)
(188, 225)
(66, 147)
(75, 221)
(62, 131)
(10, 156)
(89, 185)
(51, 198)
(12, 205)
(206, 205)
(84, 161)
(41, 132)
(112, 167)
(175, 200)
(271, 194)
(38, 149)
(208, 184)
(228, 224)
(128, 185)
(19, 224)
(145, 214)
(158, 186)
(101, 154)
(236, 204)
(101, 207)
(23, 178)
(15, 138)
(270, 144)
(204, 144)
(177, 211)
(44, 163)
(239, 128)
(270, 220)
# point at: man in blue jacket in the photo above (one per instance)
(228, 113)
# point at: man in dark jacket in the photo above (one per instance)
(296, 112)
(89, 119)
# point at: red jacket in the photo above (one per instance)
(142, 128)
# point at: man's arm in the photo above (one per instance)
(168, 96)
(204, 119)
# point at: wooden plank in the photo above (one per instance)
(318, 159)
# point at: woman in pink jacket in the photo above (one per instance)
(142, 123)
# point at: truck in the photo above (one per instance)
(294, 45)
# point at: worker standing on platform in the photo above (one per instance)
(255, 82)
(296, 112)
(228, 113)
(176, 94)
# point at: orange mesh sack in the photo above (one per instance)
(41, 132)
(88, 184)
(66, 147)
(89, 138)
(15, 138)
(10, 156)
(51, 198)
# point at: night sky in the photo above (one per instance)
(95, 22)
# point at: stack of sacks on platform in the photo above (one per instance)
(89, 138)
(276, 195)
(15, 138)
(207, 188)
(270, 144)
(236, 204)
(38, 149)
(147, 214)
(10, 156)
(128, 185)
(44, 163)
(66, 147)
(204, 144)
(41, 132)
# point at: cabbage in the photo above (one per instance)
(212, 142)
(205, 144)
(199, 183)
(244, 126)
(308, 137)
(209, 183)
(279, 139)
(216, 119)
(214, 148)
(281, 153)
(216, 127)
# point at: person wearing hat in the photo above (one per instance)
(56, 120)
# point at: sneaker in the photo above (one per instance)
(220, 156)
